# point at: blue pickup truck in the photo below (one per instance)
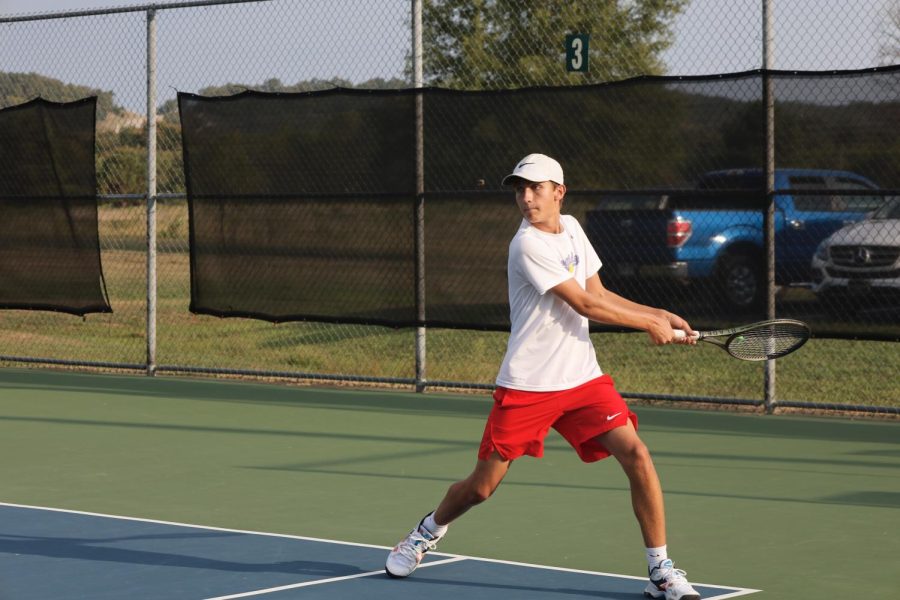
(714, 235)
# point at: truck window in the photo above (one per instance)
(890, 210)
(860, 203)
(632, 202)
(741, 190)
(716, 201)
(732, 181)
(813, 202)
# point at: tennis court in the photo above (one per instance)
(128, 486)
(101, 556)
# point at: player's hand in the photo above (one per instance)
(677, 322)
(661, 331)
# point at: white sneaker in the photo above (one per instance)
(408, 553)
(670, 583)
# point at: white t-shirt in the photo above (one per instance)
(549, 348)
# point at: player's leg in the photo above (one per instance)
(518, 423)
(646, 493)
(647, 500)
(460, 497)
(473, 490)
(598, 423)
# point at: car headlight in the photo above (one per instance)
(822, 251)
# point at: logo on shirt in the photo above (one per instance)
(570, 262)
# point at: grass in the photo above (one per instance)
(824, 371)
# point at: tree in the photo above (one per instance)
(890, 47)
(479, 44)
(17, 88)
(168, 110)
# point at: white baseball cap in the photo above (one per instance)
(536, 167)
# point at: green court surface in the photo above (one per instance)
(795, 507)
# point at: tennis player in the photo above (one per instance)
(550, 376)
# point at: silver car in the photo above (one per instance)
(860, 263)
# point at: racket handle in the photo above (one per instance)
(680, 334)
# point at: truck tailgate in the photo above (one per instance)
(628, 239)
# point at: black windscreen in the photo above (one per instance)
(49, 244)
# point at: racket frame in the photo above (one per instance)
(716, 336)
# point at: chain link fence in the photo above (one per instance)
(281, 45)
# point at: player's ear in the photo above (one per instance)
(560, 191)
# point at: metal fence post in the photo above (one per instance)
(769, 220)
(418, 79)
(151, 191)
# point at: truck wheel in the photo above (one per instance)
(741, 281)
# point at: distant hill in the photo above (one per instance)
(169, 109)
(16, 88)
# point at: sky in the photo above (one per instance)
(361, 39)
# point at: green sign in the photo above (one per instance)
(577, 52)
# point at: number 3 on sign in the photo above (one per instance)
(577, 52)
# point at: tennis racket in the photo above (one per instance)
(758, 341)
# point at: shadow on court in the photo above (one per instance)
(409, 403)
(97, 549)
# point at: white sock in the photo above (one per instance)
(656, 556)
(433, 528)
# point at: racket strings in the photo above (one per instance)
(768, 341)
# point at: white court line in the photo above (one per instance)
(741, 592)
(206, 527)
(736, 591)
(331, 580)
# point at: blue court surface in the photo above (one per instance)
(52, 554)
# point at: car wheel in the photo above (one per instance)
(741, 282)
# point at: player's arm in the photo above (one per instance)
(595, 286)
(604, 306)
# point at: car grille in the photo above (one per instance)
(863, 273)
(864, 256)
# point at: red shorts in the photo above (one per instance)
(520, 420)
